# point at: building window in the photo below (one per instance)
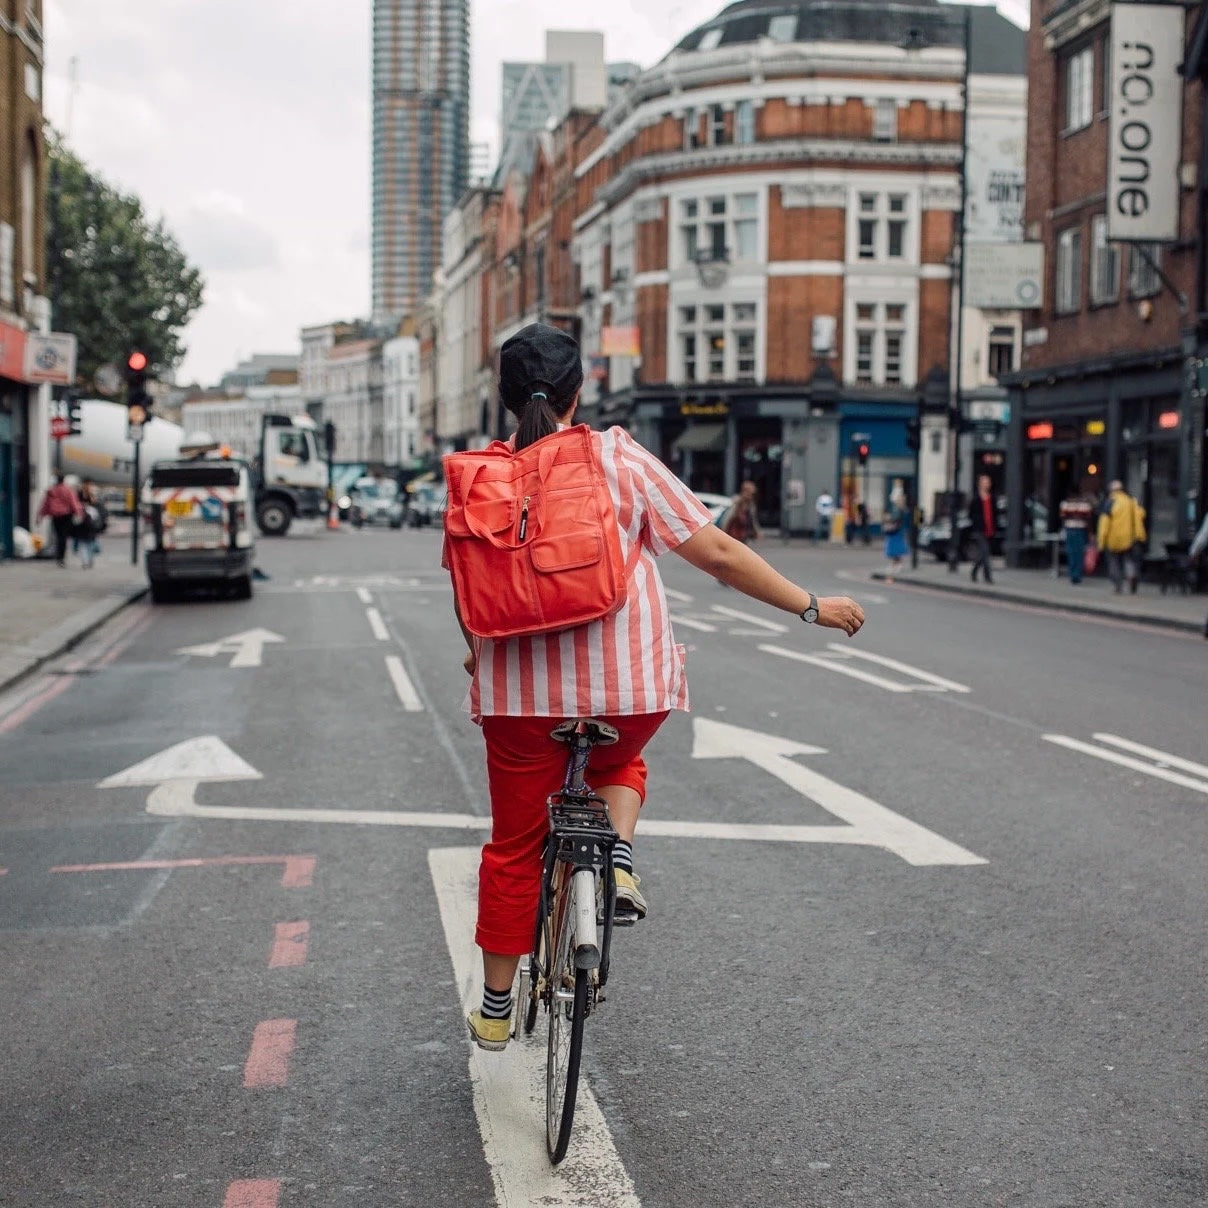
(691, 130)
(1105, 264)
(1143, 278)
(881, 226)
(710, 39)
(1001, 358)
(1079, 78)
(783, 28)
(720, 228)
(880, 343)
(717, 341)
(1105, 91)
(29, 213)
(1069, 271)
(744, 122)
(718, 135)
(885, 121)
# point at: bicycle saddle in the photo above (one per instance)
(598, 733)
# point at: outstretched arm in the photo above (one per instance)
(735, 564)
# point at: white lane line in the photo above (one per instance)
(364, 595)
(679, 596)
(770, 626)
(688, 623)
(852, 652)
(1159, 757)
(403, 685)
(377, 625)
(830, 664)
(1127, 761)
(509, 1087)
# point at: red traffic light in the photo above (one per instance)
(137, 361)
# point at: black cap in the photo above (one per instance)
(539, 357)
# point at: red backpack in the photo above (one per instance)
(531, 538)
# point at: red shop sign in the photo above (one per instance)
(12, 352)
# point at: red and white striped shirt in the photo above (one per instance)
(628, 662)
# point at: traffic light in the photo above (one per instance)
(913, 433)
(862, 452)
(75, 423)
(138, 401)
(329, 438)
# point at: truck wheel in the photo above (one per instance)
(274, 517)
(241, 589)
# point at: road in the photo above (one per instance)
(927, 911)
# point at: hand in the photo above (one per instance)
(470, 662)
(840, 612)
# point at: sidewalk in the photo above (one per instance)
(1093, 596)
(46, 609)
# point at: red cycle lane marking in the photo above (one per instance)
(289, 945)
(298, 871)
(253, 1193)
(268, 1061)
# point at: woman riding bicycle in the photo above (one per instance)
(625, 669)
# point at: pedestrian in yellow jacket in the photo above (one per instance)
(1121, 531)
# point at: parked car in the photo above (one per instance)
(934, 537)
(717, 504)
(425, 504)
(376, 501)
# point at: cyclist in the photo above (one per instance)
(625, 669)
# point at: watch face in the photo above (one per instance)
(810, 614)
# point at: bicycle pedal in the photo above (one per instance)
(625, 918)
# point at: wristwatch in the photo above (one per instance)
(810, 615)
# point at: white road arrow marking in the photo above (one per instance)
(247, 647)
(872, 824)
(509, 1087)
(758, 622)
(840, 656)
(689, 623)
(206, 758)
(1137, 765)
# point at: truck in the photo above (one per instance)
(288, 474)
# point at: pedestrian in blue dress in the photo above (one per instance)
(893, 527)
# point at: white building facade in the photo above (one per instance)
(400, 400)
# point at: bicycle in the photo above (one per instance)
(568, 968)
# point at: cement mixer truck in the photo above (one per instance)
(289, 474)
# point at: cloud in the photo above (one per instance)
(220, 236)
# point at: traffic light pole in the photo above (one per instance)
(138, 444)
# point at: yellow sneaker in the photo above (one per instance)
(491, 1034)
(629, 897)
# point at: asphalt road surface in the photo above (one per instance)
(928, 927)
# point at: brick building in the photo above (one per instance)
(1104, 388)
(772, 207)
(23, 306)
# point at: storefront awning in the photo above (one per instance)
(701, 438)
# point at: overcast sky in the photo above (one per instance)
(245, 123)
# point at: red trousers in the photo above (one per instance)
(524, 766)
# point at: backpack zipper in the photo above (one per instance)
(524, 518)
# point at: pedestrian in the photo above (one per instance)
(1199, 544)
(87, 532)
(1077, 512)
(624, 668)
(983, 524)
(1121, 536)
(741, 522)
(63, 506)
(824, 510)
(893, 528)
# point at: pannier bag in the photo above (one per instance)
(531, 538)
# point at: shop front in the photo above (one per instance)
(14, 437)
(1081, 434)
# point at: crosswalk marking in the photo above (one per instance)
(1137, 765)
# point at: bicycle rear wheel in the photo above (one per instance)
(567, 1011)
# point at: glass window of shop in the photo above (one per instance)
(1061, 456)
(1149, 448)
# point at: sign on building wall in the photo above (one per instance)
(1146, 122)
(1004, 276)
(50, 357)
(994, 177)
(620, 342)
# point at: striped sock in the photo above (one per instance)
(622, 856)
(496, 1004)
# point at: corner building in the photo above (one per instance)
(773, 208)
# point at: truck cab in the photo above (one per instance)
(291, 477)
(197, 510)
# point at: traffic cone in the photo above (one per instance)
(333, 517)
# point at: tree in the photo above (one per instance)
(117, 280)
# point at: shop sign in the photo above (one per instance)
(1146, 122)
(1041, 431)
(715, 408)
(989, 411)
(995, 175)
(12, 352)
(1004, 276)
(1168, 420)
(50, 357)
(1095, 427)
(619, 342)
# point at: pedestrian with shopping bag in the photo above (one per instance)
(63, 506)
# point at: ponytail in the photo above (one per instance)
(538, 418)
